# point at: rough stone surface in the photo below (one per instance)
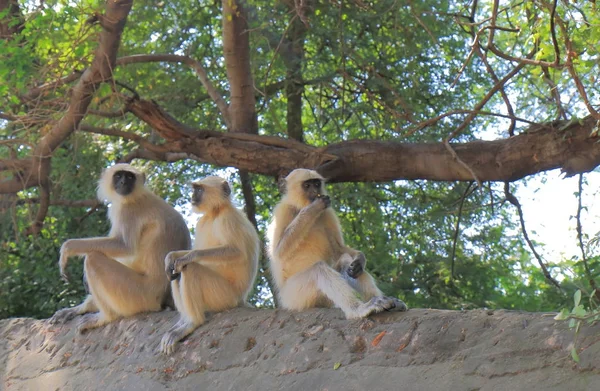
(247, 349)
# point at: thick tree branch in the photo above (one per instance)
(100, 71)
(44, 205)
(559, 144)
(236, 49)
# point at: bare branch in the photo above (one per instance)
(215, 95)
(509, 108)
(145, 154)
(434, 120)
(524, 61)
(91, 203)
(44, 204)
(513, 200)
(457, 227)
(553, 33)
(499, 85)
(118, 133)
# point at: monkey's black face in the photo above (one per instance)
(197, 194)
(124, 182)
(312, 188)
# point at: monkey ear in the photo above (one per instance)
(281, 183)
(226, 189)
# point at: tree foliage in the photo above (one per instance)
(406, 94)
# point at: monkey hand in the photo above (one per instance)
(323, 201)
(175, 264)
(170, 266)
(180, 264)
(357, 266)
(65, 252)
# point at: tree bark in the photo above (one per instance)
(560, 144)
(245, 349)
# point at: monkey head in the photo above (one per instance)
(303, 186)
(121, 182)
(210, 193)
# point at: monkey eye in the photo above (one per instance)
(306, 185)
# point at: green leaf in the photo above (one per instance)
(577, 297)
(579, 311)
(574, 354)
(562, 315)
(337, 365)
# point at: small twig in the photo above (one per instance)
(107, 114)
(493, 22)
(499, 85)
(433, 121)
(457, 227)
(553, 33)
(514, 201)
(119, 133)
(509, 108)
(580, 235)
(555, 94)
(491, 197)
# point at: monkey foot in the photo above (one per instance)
(170, 339)
(399, 305)
(90, 321)
(63, 316)
(168, 342)
(379, 304)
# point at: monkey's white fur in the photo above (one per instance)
(308, 256)
(124, 271)
(219, 272)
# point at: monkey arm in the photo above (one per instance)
(297, 230)
(338, 247)
(215, 254)
(111, 247)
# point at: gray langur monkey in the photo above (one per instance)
(219, 272)
(125, 271)
(311, 265)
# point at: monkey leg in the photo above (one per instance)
(352, 269)
(197, 290)
(118, 290)
(303, 289)
(365, 284)
(66, 314)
